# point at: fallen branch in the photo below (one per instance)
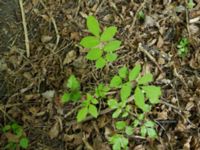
(25, 29)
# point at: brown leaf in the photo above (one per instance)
(54, 131)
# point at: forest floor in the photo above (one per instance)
(31, 86)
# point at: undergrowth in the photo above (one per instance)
(130, 94)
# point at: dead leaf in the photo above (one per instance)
(54, 131)
(70, 56)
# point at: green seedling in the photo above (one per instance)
(190, 4)
(141, 15)
(118, 142)
(73, 93)
(88, 107)
(17, 137)
(147, 128)
(183, 47)
(101, 91)
(102, 46)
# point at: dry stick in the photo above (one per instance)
(187, 19)
(135, 17)
(54, 24)
(25, 29)
(141, 48)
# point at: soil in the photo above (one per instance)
(31, 87)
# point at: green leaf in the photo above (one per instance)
(146, 79)
(123, 72)
(17, 129)
(153, 93)
(191, 4)
(6, 128)
(116, 113)
(110, 57)
(125, 91)
(100, 63)
(24, 143)
(151, 133)
(101, 90)
(129, 130)
(82, 113)
(65, 97)
(73, 83)
(120, 125)
(116, 82)
(139, 100)
(149, 124)
(141, 117)
(125, 114)
(94, 101)
(118, 141)
(143, 131)
(75, 96)
(108, 33)
(89, 42)
(134, 72)
(112, 46)
(93, 25)
(94, 54)
(93, 110)
(136, 122)
(112, 103)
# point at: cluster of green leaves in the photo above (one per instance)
(118, 142)
(142, 91)
(141, 15)
(16, 130)
(183, 47)
(130, 82)
(190, 4)
(102, 46)
(73, 93)
(147, 127)
(88, 107)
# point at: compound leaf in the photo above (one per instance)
(146, 79)
(112, 46)
(134, 72)
(116, 82)
(108, 33)
(93, 110)
(100, 63)
(82, 113)
(153, 93)
(94, 54)
(93, 25)
(89, 42)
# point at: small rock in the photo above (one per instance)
(46, 38)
